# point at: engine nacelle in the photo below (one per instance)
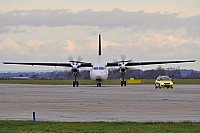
(75, 67)
(123, 67)
(74, 70)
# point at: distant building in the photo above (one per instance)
(10, 78)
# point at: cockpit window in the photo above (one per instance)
(95, 68)
(101, 68)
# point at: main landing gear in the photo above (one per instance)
(98, 84)
(75, 82)
(123, 82)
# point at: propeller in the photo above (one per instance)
(75, 64)
(122, 64)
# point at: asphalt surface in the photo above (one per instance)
(138, 103)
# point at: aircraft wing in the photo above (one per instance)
(85, 64)
(148, 63)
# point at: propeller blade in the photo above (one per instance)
(123, 57)
(70, 58)
(79, 59)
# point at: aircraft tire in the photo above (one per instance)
(121, 83)
(73, 83)
(98, 84)
(77, 84)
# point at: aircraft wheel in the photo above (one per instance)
(98, 84)
(123, 83)
(77, 84)
(74, 84)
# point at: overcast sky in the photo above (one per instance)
(51, 31)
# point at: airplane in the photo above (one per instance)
(99, 71)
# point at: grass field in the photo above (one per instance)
(90, 82)
(98, 127)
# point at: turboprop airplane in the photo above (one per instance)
(99, 71)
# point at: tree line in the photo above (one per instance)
(113, 74)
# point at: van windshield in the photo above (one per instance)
(164, 78)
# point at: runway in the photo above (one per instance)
(138, 103)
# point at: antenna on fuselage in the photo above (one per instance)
(99, 58)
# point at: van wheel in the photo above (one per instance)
(156, 86)
(159, 87)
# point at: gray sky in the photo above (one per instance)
(51, 31)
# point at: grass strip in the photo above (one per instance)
(90, 82)
(98, 127)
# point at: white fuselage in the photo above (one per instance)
(99, 72)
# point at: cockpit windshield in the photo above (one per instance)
(98, 68)
(101, 68)
(95, 68)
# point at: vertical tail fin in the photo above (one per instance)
(99, 58)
